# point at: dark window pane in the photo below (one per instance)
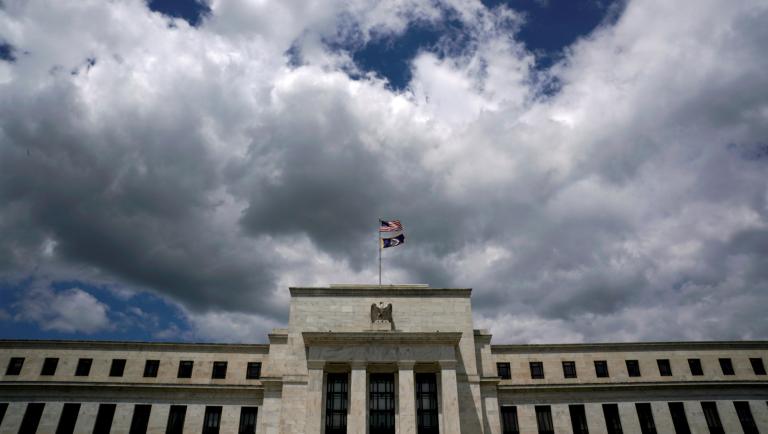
(509, 420)
(569, 369)
(757, 366)
(83, 367)
(695, 365)
(176, 419)
(601, 368)
(185, 369)
(68, 419)
(633, 368)
(151, 367)
(645, 417)
(248, 420)
(679, 420)
(381, 409)
(727, 366)
(212, 420)
(336, 401)
(117, 368)
(665, 370)
(104, 419)
(712, 417)
(612, 419)
(3, 409)
(219, 370)
(14, 366)
(426, 403)
(578, 419)
(544, 419)
(745, 417)
(31, 418)
(140, 419)
(49, 366)
(504, 371)
(253, 371)
(537, 370)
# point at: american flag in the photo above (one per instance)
(390, 226)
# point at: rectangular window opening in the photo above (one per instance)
(117, 368)
(601, 368)
(219, 370)
(426, 404)
(336, 403)
(212, 420)
(578, 419)
(544, 419)
(645, 417)
(151, 367)
(745, 417)
(68, 418)
(727, 366)
(665, 369)
(569, 369)
(253, 371)
(509, 420)
(3, 409)
(757, 365)
(83, 368)
(695, 365)
(633, 368)
(381, 404)
(679, 420)
(504, 371)
(537, 370)
(31, 418)
(140, 420)
(176, 418)
(49, 366)
(248, 420)
(14, 366)
(104, 418)
(612, 419)
(712, 417)
(185, 369)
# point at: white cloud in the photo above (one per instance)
(69, 311)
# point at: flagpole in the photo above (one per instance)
(378, 243)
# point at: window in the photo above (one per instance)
(633, 368)
(509, 420)
(695, 365)
(645, 417)
(31, 418)
(601, 368)
(140, 419)
(83, 367)
(253, 371)
(612, 419)
(544, 419)
(68, 419)
(745, 417)
(117, 368)
(336, 403)
(381, 404)
(104, 419)
(679, 420)
(712, 417)
(578, 419)
(185, 369)
(569, 369)
(14, 366)
(176, 419)
(665, 370)
(426, 404)
(3, 409)
(248, 420)
(757, 366)
(219, 370)
(537, 370)
(504, 371)
(151, 367)
(49, 366)
(727, 366)
(212, 419)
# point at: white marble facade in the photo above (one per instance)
(430, 341)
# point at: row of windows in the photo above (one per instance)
(116, 369)
(139, 420)
(613, 424)
(633, 368)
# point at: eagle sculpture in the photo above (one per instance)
(381, 312)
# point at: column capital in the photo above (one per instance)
(405, 364)
(358, 364)
(447, 364)
(315, 364)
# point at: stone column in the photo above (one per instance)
(268, 420)
(406, 397)
(450, 398)
(314, 424)
(358, 402)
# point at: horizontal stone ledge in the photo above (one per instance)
(134, 346)
(144, 386)
(650, 385)
(380, 291)
(627, 346)
(381, 338)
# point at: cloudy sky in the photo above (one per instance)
(596, 170)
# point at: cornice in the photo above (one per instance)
(137, 346)
(376, 290)
(561, 387)
(114, 385)
(628, 346)
(382, 337)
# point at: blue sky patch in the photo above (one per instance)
(192, 11)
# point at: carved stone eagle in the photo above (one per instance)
(381, 312)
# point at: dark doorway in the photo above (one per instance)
(381, 409)
(336, 397)
(426, 403)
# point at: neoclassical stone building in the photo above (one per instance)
(400, 359)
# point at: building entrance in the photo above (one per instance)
(381, 409)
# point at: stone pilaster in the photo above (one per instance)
(268, 421)
(406, 398)
(450, 397)
(314, 424)
(356, 421)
